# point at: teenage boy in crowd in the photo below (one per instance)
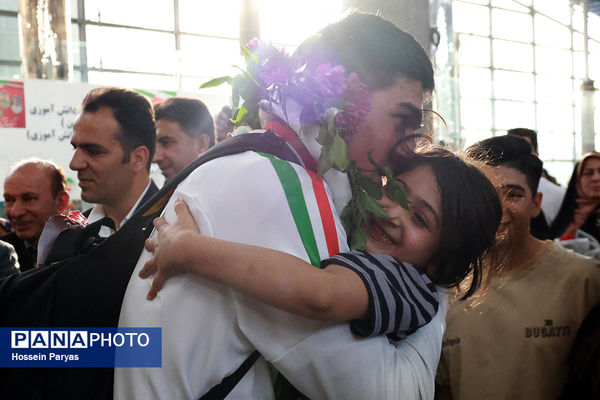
(516, 342)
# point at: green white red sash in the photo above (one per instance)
(292, 187)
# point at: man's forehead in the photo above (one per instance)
(27, 179)
(100, 123)
(511, 177)
(167, 128)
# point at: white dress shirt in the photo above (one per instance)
(98, 213)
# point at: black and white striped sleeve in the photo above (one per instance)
(401, 299)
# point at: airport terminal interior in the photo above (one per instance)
(499, 64)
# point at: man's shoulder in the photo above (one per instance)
(571, 263)
(561, 253)
(250, 169)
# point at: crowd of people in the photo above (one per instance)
(368, 264)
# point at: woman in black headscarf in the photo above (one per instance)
(581, 206)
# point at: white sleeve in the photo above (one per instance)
(333, 364)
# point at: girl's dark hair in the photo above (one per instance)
(471, 215)
(372, 47)
(567, 208)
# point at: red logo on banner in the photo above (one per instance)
(12, 104)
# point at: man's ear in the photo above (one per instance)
(537, 205)
(63, 201)
(138, 159)
(202, 143)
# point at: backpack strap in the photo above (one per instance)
(260, 141)
(221, 390)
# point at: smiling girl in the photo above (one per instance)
(389, 289)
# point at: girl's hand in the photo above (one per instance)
(168, 256)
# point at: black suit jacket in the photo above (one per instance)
(9, 263)
(26, 259)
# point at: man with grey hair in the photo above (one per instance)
(34, 191)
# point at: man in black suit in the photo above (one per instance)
(33, 191)
(114, 140)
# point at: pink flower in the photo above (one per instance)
(359, 96)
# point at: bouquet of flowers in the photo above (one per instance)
(324, 96)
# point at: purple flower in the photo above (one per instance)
(274, 72)
(331, 81)
(312, 86)
(254, 43)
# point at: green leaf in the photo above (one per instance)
(372, 188)
(216, 82)
(358, 240)
(347, 211)
(246, 74)
(324, 163)
(240, 114)
(235, 97)
(330, 118)
(369, 204)
(340, 152)
(322, 138)
(245, 50)
(394, 190)
(370, 156)
(360, 206)
(248, 55)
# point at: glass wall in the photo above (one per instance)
(165, 44)
(520, 63)
(512, 62)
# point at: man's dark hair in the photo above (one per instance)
(525, 133)
(133, 111)
(59, 181)
(372, 47)
(512, 152)
(192, 115)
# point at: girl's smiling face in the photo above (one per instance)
(410, 235)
